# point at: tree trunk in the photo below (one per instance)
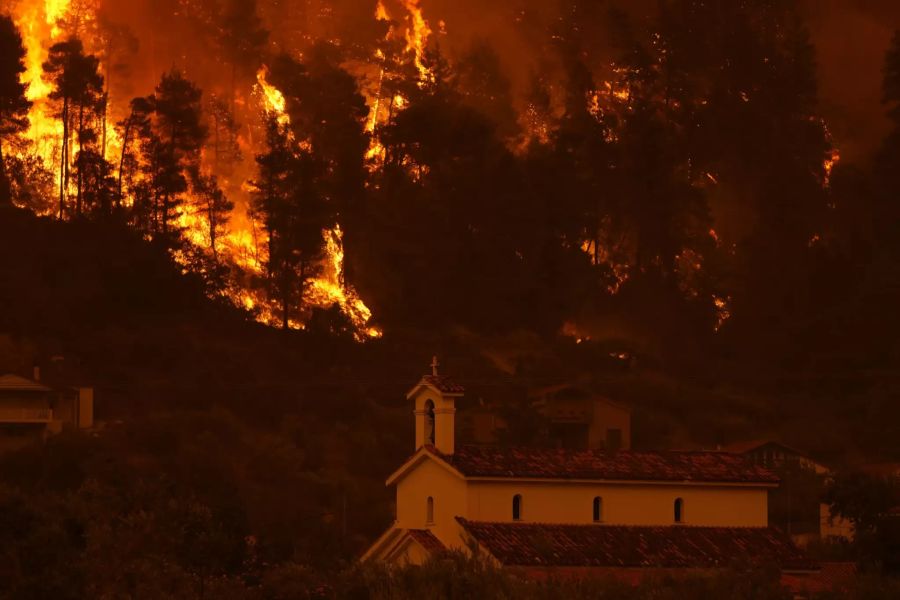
(5, 192)
(211, 217)
(80, 181)
(105, 112)
(125, 137)
(63, 160)
(165, 214)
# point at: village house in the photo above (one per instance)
(576, 510)
(775, 455)
(29, 407)
(574, 417)
(579, 418)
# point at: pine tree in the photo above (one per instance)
(169, 127)
(289, 202)
(215, 207)
(13, 103)
(78, 93)
(887, 163)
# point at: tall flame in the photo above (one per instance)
(39, 24)
(329, 288)
(273, 98)
(417, 35)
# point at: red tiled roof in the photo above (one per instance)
(444, 384)
(427, 540)
(624, 465)
(545, 545)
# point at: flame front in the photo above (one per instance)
(273, 98)
(417, 35)
(329, 288)
(39, 22)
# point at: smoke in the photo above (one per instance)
(852, 37)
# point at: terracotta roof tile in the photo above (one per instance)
(624, 465)
(545, 545)
(444, 384)
(427, 540)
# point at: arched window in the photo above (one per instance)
(679, 510)
(429, 511)
(598, 509)
(429, 423)
(517, 507)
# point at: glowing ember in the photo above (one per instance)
(829, 164)
(723, 310)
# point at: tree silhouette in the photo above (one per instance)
(289, 202)
(215, 207)
(78, 93)
(13, 103)
(169, 127)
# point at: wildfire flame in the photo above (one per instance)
(40, 24)
(417, 35)
(329, 288)
(273, 98)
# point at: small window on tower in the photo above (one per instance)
(517, 507)
(598, 509)
(679, 510)
(429, 511)
(429, 423)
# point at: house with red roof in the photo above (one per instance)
(577, 510)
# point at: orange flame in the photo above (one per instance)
(417, 35)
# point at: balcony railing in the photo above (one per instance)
(26, 415)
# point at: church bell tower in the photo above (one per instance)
(434, 398)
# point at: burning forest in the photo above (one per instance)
(640, 231)
(280, 148)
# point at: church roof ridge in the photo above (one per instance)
(621, 465)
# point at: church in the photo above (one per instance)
(547, 511)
